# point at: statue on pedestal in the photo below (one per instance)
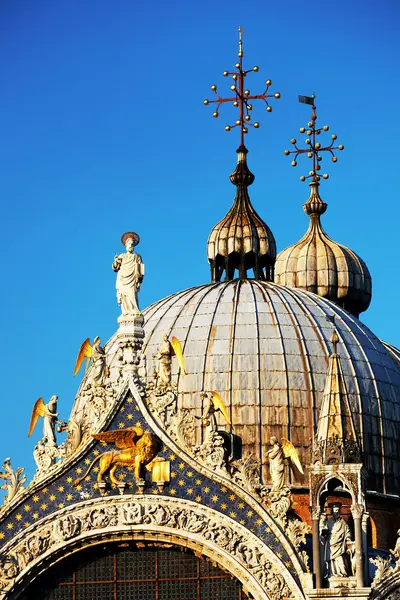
(130, 271)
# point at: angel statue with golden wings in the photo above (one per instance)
(97, 355)
(213, 403)
(166, 351)
(277, 455)
(50, 419)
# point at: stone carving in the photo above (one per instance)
(279, 503)
(336, 537)
(396, 551)
(66, 528)
(46, 457)
(157, 513)
(96, 401)
(138, 448)
(98, 518)
(213, 453)
(34, 547)
(246, 473)
(130, 271)
(130, 359)
(9, 569)
(185, 428)
(296, 530)
(74, 436)
(385, 567)
(13, 480)
(335, 450)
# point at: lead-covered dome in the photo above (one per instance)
(265, 349)
(318, 264)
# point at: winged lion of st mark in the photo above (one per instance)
(138, 448)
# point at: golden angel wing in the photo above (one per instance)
(85, 351)
(176, 345)
(289, 451)
(38, 411)
(219, 404)
(122, 438)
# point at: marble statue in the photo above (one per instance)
(337, 537)
(50, 419)
(164, 356)
(276, 464)
(99, 363)
(130, 270)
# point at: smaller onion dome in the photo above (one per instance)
(318, 264)
(241, 241)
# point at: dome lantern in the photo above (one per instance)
(241, 241)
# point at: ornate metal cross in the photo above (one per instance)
(314, 147)
(242, 96)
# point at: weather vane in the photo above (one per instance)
(314, 148)
(242, 96)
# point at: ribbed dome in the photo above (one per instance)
(265, 348)
(318, 264)
(241, 240)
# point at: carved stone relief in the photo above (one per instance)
(192, 521)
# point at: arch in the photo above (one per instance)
(126, 569)
(147, 518)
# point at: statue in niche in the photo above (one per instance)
(336, 536)
(130, 271)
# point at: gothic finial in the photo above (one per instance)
(314, 148)
(242, 97)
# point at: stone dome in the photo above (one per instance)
(265, 349)
(318, 264)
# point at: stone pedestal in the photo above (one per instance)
(334, 593)
(130, 336)
(342, 582)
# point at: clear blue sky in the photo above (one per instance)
(103, 130)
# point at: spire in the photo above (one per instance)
(336, 438)
(241, 241)
(316, 263)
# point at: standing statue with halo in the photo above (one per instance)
(130, 271)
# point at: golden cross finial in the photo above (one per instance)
(242, 96)
(314, 148)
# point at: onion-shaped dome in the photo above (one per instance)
(265, 349)
(241, 241)
(318, 264)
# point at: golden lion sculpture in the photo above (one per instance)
(138, 448)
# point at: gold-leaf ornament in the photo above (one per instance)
(289, 451)
(176, 345)
(39, 410)
(219, 405)
(85, 351)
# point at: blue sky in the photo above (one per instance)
(103, 130)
